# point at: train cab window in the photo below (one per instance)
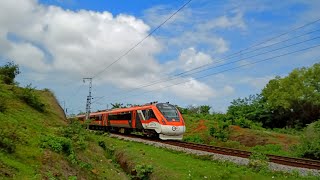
(168, 111)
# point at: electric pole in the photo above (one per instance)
(88, 97)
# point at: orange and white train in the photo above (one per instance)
(155, 119)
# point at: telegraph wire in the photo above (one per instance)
(232, 62)
(237, 67)
(168, 78)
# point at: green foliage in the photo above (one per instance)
(8, 73)
(252, 108)
(3, 104)
(77, 134)
(57, 144)
(30, 96)
(245, 123)
(310, 142)
(220, 132)
(258, 161)
(195, 139)
(143, 171)
(204, 109)
(294, 100)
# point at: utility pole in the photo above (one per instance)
(88, 97)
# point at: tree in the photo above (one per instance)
(204, 109)
(252, 108)
(8, 73)
(294, 100)
(117, 105)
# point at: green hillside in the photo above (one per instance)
(31, 140)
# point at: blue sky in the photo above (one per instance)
(58, 42)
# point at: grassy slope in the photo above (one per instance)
(31, 161)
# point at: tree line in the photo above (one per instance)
(292, 101)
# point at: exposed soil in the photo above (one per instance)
(201, 127)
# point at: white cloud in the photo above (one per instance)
(190, 58)
(71, 44)
(223, 22)
(194, 90)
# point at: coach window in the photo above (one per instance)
(150, 114)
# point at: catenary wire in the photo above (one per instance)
(230, 69)
(232, 62)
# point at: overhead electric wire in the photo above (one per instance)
(262, 42)
(137, 44)
(168, 78)
(239, 52)
(237, 67)
(232, 62)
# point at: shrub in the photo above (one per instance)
(8, 72)
(143, 171)
(220, 132)
(57, 144)
(29, 96)
(77, 134)
(310, 146)
(258, 161)
(243, 122)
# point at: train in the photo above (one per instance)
(161, 120)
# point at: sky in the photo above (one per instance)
(209, 53)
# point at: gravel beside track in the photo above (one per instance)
(221, 157)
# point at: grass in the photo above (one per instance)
(22, 130)
(168, 164)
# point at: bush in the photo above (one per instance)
(258, 161)
(29, 96)
(77, 134)
(310, 146)
(220, 132)
(8, 73)
(143, 171)
(57, 144)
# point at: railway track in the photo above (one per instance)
(289, 161)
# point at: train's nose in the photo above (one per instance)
(172, 130)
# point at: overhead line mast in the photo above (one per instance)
(89, 97)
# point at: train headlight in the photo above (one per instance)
(174, 128)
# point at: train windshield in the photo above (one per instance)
(168, 111)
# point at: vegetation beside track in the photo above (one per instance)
(37, 141)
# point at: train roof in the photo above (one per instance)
(118, 110)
